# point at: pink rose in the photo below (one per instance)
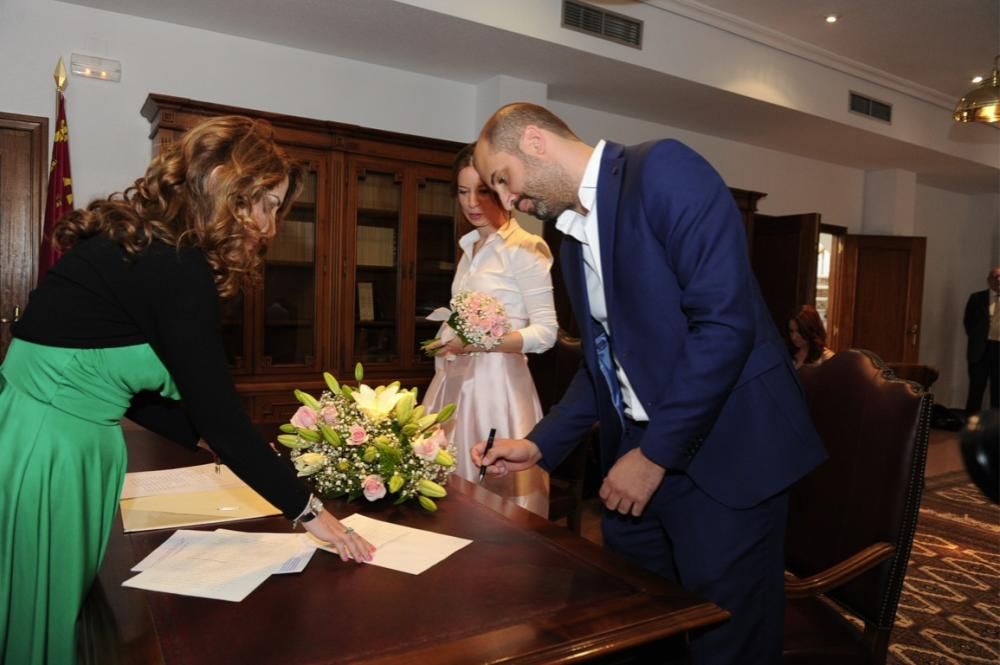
(328, 414)
(497, 331)
(305, 418)
(427, 446)
(358, 435)
(373, 487)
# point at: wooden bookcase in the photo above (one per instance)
(368, 250)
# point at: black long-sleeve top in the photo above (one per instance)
(96, 297)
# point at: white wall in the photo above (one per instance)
(793, 184)
(109, 142)
(962, 236)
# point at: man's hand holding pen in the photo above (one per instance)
(506, 455)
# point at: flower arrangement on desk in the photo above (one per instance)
(371, 442)
(477, 318)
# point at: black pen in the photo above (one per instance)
(489, 444)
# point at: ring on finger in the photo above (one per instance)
(348, 531)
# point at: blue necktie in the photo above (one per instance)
(607, 365)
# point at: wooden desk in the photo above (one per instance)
(524, 591)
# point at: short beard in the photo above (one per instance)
(548, 187)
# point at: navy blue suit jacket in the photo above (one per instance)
(690, 329)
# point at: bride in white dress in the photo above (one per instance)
(493, 389)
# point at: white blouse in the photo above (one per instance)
(513, 266)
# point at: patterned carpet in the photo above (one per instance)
(949, 612)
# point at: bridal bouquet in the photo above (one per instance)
(477, 318)
(371, 442)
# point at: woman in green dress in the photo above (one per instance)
(127, 323)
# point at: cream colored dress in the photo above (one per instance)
(495, 389)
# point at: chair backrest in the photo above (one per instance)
(875, 428)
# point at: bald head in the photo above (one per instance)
(505, 127)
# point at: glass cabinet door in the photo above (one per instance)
(435, 255)
(378, 197)
(288, 334)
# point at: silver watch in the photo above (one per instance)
(313, 508)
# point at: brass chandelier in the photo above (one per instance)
(981, 104)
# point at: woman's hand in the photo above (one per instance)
(348, 543)
(453, 346)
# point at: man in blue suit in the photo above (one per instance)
(702, 418)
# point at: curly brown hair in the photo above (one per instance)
(198, 191)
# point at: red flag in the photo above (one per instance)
(60, 198)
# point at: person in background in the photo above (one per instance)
(982, 326)
(494, 389)
(127, 323)
(703, 425)
(806, 338)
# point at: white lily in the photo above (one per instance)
(379, 403)
(309, 463)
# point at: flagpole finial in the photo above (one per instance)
(60, 75)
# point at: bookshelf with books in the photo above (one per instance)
(366, 248)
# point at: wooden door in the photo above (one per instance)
(23, 160)
(883, 291)
(783, 256)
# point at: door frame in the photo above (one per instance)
(37, 127)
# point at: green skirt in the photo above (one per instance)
(63, 464)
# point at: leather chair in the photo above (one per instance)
(552, 372)
(852, 520)
(925, 375)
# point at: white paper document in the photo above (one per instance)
(403, 548)
(200, 478)
(226, 565)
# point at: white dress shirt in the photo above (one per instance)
(514, 267)
(585, 229)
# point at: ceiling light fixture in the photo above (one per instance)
(981, 104)
(977, 79)
(832, 18)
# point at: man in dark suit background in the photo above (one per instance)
(703, 422)
(982, 325)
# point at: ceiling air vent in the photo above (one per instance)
(870, 107)
(607, 25)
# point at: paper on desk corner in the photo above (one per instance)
(402, 548)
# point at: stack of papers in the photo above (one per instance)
(221, 564)
(228, 565)
(188, 496)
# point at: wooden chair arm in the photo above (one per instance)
(838, 574)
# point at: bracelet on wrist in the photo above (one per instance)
(313, 508)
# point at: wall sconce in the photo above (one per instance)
(95, 68)
(981, 104)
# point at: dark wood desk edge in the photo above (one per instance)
(597, 645)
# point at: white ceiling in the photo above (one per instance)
(935, 44)
(939, 44)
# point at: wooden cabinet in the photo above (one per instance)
(401, 222)
(368, 250)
